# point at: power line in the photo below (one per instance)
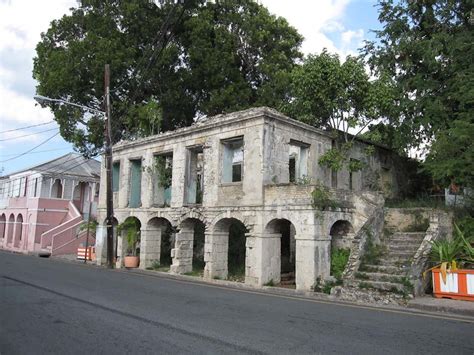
(37, 152)
(21, 128)
(30, 150)
(27, 135)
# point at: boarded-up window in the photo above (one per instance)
(135, 183)
(115, 176)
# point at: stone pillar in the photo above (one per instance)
(312, 260)
(100, 244)
(263, 259)
(216, 255)
(182, 253)
(150, 247)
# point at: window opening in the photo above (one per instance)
(298, 161)
(115, 176)
(233, 159)
(135, 183)
(194, 187)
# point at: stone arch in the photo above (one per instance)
(283, 251)
(188, 252)
(18, 230)
(227, 244)
(57, 189)
(10, 228)
(3, 222)
(341, 233)
(157, 240)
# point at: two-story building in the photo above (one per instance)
(248, 180)
(42, 207)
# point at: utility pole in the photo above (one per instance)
(108, 168)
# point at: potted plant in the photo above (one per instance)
(130, 230)
(453, 275)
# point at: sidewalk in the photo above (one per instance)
(442, 305)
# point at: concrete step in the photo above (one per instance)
(386, 269)
(396, 262)
(380, 277)
(407, 236)
(377, 285)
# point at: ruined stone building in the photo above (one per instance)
(245, 180)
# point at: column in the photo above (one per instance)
(182, 253)
(263, 259)
(216, 255)
(150, 247)
(313, 260)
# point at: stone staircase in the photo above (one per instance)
(389, 271)
(384, 270)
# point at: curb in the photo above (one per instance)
(465, 312)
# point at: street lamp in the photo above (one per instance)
(108, 162)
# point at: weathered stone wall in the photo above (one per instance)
(263, 196)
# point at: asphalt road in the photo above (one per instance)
(55, 307)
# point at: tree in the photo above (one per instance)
(426, 48)
(170, 63)
(451, 157)
(338, 96)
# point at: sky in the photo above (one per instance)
(341, 26)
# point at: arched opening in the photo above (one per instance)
(341, 233)
(156, 244)
(284, 229)
(10, 227)
(129, 231)
(232, 236)
(57, 189)
(3, 222)
(18, 230)
(191, 236)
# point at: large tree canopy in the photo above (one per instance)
(169, 64)
(426, 47)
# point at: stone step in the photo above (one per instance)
(397, 262)
(377, 285)
(407, 236)
(386, 269)
(379, 276)
(395, 249)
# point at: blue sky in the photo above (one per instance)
(338, 25)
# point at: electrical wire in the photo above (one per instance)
(21, 128)
(30, 150)
(27, 135)
(37, 152)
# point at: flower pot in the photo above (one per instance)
(459, 284)
(131, 261)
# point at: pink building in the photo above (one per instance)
(42, 208)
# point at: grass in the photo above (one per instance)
(425, 202)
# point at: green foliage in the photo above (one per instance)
(169, 63)
(373, 252)
(329, 94)
(92, 225)
(425, 48)
(451, 158)
(339, 259)
(321, 198)
(131, 227)
(333, 159)
(162, 170)
(270, 283)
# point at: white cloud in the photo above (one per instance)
(348, 37)
(313, 19)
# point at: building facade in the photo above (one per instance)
(42, 208)
(256, 172)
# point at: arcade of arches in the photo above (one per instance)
(277, 251)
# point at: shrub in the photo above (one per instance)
(339, 258)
